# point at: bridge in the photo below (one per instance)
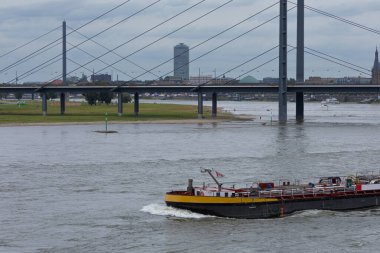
(199, 89)
(282, 88)
(238, 88)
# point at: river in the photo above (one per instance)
(70, 189)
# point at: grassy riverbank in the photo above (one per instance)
(31, 112)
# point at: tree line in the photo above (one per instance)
(92, 98)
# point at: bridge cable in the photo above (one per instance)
(238, 66)
(59, 76)
(221, 45)
(214, 49)
(27, 58)
(115, 53)
(210, 38)
(340, 19)
(39, 67)
(91, 55)
(139, 35)
(257, 67)
(335, 58)
(31, 55)
(338, 63)
(271, 60)
(77, 63)
(101, 31)
(29, 42)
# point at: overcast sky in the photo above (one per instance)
(21, 21)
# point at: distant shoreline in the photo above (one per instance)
(29, 114)
(167, 121)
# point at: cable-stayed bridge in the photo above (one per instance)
(129, 86)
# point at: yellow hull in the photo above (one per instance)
(216, 200)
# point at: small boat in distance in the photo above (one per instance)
(330, 101)
(267, 200)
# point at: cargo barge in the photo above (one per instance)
(267, 200)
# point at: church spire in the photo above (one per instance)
(376, 63)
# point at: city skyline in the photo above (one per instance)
(321, 33)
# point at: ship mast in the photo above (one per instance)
(212, 176)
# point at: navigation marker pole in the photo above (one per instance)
(106, 122)
(106, 131)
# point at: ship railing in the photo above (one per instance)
(301, 192)
(281, 192)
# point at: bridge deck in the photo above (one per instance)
(251, 88)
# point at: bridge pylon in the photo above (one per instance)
(300, 69)
(283, 52)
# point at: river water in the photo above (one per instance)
(69, 189)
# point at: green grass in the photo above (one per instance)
(31, 112)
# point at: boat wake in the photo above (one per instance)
(318, 213)
(308, 213)
(163, 210)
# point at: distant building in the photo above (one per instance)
(272, 80)
(171, 80)
(376, 69)
(200, 79)
(224, 80)
(57, 82)
(101, 78)
(321, 80)
(354, 80)
(181, 61)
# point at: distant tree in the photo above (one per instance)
(127, 98)
(105, 97)
(18, 95)
(91, 98)
(51, 95)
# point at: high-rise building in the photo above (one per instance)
(181, 61)
(101, 78)
(376, 69)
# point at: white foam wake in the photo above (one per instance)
(162, 209)
(308, 213)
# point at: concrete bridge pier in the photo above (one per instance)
(136, 104)
(214, 107)
(44, 104)
(299, 107)
(120, 104)
(200, 105)
(62, 103)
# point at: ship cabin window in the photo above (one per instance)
(233, 194)
(218, 194)
(226, 194)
